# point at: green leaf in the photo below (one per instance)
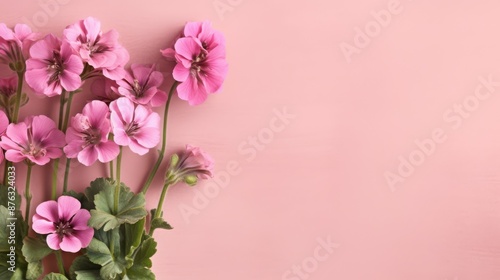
(145, 252)
(88, 275)
(131, 209)
(100, 254)
(158, 222)
(138, 272)
(83, 266)
(54, 276)
(96, 187)
(18, 275)
(35, 249)
(133, 237)
(35, 269)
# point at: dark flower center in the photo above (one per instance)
(91, 136)
(132, 128)
(137, 88)
(197, 64)
(55, 66)
(95, 47)
(63, 228)
(34, 151)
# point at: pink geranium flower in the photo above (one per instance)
(14, 44)
(141, 87)
(104, 89)
(65, 223)
(53, 67)
(192, 164)
(87, 136)
(101, 51)
(136, 127)
(36, 139)
(201, 62)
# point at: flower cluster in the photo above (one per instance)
(108, 218)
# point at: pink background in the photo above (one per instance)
(323, 173)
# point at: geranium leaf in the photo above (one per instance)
(35, 249)
(54, 276)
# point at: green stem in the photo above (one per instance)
(68, 111)
(19, 92)
(5, 171)
(158, 212)
(111, 170)
(27, 194)
(163, 141)
(60, 263)
(55, 169)
(117, 197)
(66, 175)
(117, 187)
(62, 101)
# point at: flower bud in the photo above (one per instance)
(189, 166)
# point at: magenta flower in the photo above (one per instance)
(36, 139)
(14, 44)
(88, 135)
(191, 165)
(53, 67)
(101, 51)
(4, 123)
(201, 62)
(65, 223)
(141, 87)
(136, 127)
(104, 89)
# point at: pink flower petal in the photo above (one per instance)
(68, 206)
(70, 243)
(53, 241)
(107, 151)
(42, 226)
(48, 210)
(88, 156)
(85, 236)
(80, 219)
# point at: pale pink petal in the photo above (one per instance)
(85, 236)
(107, 151)
(148, 137)
(70, 81)
(42, 226)
(70, 243)
(137, 148)
(97, 112)
(68, 206)
(180, 72)
(120, 137)
(53, 241)
(14, 156)
(80, 219)
(48, 210)
(93, 28)
(88, 156)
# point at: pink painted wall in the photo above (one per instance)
(356, 104)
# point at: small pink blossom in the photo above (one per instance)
(36, 139)
(65, 223)
(53, 67)
(142, 86)
(101, 51)
(104, 89)
(87, 136)
(201, 62)
(192, 164)
(14, 44)
(136, 127)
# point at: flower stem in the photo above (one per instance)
(19, 92)
(68, 111)
(62, 101)
(163, 141)
(60, 263)
(111, 170)
(27, 194)
(55, 169)
(117, 187)
(66, 175)
(160, 205)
